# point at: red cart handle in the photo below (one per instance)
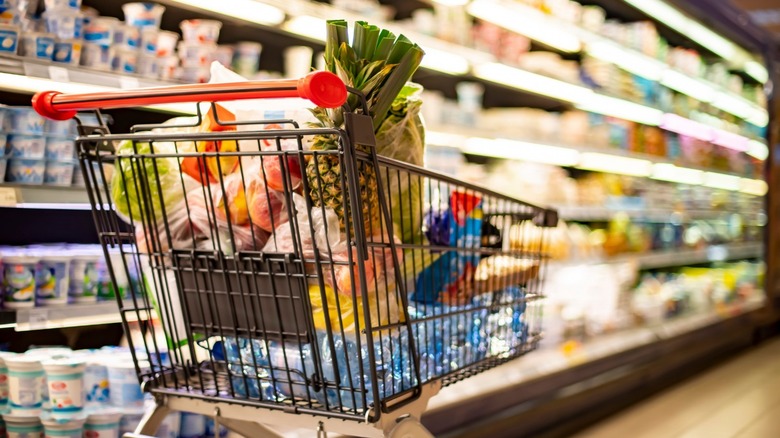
(322, 88)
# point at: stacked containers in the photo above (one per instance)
(64, 20)
(198, 48)
(60, 152)
(136, 41)
(9, 28)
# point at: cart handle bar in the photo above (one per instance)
(322, 88)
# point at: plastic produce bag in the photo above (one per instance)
(146, 186)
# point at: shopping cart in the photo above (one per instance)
(272, 282)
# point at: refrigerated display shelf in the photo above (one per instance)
(43, 196)
(687, 257)
(576, 213)
(53, 317)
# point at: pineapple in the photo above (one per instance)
(378, 65)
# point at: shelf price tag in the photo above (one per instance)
(126, 82)
(8, 197)
(38, 319)
(59, 74)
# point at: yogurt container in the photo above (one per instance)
(9, 38)
(104, 424)
(83, 277)
(60, 148)
(67, 51)
(224, 55)
(61, 128)
(97, 56)
(127, 36)
(168, 67)
(195, 75)
(26, 145)
(23, 426)
(19, 280)
(24, 120)
(65, 382)
(50, 352)
(106, 290)
(10, 16)
(143, 14)
(246, 60)
(65, 24)
(25, 170)
(39, 45)
(149, 41)
(96, 387)
(51, 279)
(4, 379)
(25, 384)
(147, 65)
(200, 31)
(122, 379)
(64, 428)
(196, 54)
(100, 30)
(59, 172)
(125, 60)
(166, 43)
(63, 4)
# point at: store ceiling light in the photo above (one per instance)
(722, 181)
(671, 173)
(526, 21)
(676, 20)
(688, 86)
(247, 10)
(757, 149)
(757, 71)
(610, 106)
(307, 26)
(523, 151)
(445, 62)
(615, 164)
(626, 59)
(755, 187)
(532, 82)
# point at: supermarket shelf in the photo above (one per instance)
(43, 196)
(672, 258)
(602, 214)
(72, 315)
(600, 361)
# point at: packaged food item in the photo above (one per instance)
(26, 146)
(106, 289)
(196, 55)
(60, 148)
(61, 128)
(23, 426)
(100, 30)
(97, 56)
(166, 43)
(9, 38)
(223, 55)
(147, 66)
(200, 31)
(168, 67)
(64, 427)
(195, 75)
(103, 424)
(83, 276)
(25, 384)
(148, 44)
(143, 14)
(122, 379)
(59, 172)
(126, 36)
(37, 45)
(64, 24)
(96, 387)
(246, 61)
(62, 4)
(4, 379)
(498, 272)
(65, 380)
(67, 51)
(51, 278)
(125, 60)
(24, 120)
(25, 170)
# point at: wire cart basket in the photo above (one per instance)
(278, 282)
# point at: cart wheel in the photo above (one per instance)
(409, 427)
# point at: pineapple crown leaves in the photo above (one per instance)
(377, 63)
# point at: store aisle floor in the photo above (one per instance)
(737, 399)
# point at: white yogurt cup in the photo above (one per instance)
(23, 426)
(168, 67)
(19, 281)
(25, 383)
(67, 51)
(4, 379)
(196, 54)
(60, 148)
(127, 36)
(51, 279)
(125, 391)
(97, 56)
(26, 146)
(64, 428)
(96, 384)
(103, 424)
(125, 60)
(65, 381)
(143, 14)
(38, 45)
(83, 277)
(100, 30)
(224, 55)
(246, 60)
(166, 43)
(200, 31)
